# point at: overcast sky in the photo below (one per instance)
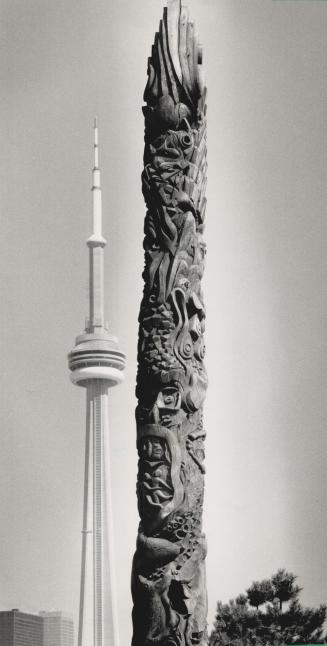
(265, 285)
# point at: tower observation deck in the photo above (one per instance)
(97, 363)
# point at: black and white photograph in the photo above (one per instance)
(164, 323)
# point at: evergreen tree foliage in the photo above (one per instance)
(260, 592)
(283, 587)
(269, 613)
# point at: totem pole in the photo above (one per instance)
(168, 578)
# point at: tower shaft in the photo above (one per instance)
(85, 528)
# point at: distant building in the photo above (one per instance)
(20, 629)
(58, 629)
(44, 629)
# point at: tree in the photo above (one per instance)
(283, 587)
(238, 624)
(235, 623)
(260, 592)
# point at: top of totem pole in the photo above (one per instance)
(175, 91)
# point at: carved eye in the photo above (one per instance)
(201, 351)
(186, 140)
(186, 349)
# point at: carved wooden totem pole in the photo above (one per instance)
(168, 579)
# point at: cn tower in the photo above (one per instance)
(97, 363)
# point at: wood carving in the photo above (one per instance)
(168, 578)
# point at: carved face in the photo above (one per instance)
(154, 485)
(159, 488)
(153, 448)
(169, 398)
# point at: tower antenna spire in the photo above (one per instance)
(97, 363)
(96, 244)
(96, 142)
(96, 239)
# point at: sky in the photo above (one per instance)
(265, 286)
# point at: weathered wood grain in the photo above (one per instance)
(168, 577)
